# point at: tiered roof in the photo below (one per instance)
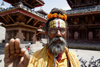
(82, 3)
(28, 3)
(21, 13)
(84, 10)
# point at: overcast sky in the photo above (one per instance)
(49, 4)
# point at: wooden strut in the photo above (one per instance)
(10, 18)
(36, 22)
(29, 20)
(14, 0)
(32, 2)
(4, 19)
(27, 3)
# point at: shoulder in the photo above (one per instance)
(72, 53)
(35, 54)
(73, 58)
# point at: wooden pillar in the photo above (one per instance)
(98, 35)
(6, 37)
(27, 36)
(12, 33)
(68, 35)
(34, 37)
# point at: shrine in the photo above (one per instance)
(20, 19)
(83, 20)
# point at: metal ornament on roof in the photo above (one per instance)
(2, 5)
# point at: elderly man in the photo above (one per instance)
(54, 54)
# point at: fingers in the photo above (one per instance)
(12, 46)
(17, 45)
(23, 50)
(6, 50)
(26, 58)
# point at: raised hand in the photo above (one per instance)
(15, 56)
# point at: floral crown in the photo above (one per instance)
(55, 15)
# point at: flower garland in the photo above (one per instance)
(55, 15)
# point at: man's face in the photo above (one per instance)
(57, 36)
(57, 28)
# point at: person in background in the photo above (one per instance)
(53, 54)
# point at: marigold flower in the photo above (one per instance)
(49, 16)
(62, 17)
(55, 15)
(65, 17)
(59, 15)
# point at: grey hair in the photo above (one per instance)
(57, 48)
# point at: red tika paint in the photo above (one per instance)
(58, 24)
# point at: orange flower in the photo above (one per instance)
(55, 15)
(59, 16)
(62, 17)
(49, 16)
(65, 17)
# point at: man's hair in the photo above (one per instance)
(58, 11)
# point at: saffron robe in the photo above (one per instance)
(43, 58)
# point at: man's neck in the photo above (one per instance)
(59, 57)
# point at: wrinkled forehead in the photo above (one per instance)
(59, 23)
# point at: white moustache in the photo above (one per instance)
(58, 38)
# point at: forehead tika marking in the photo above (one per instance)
(57, 23)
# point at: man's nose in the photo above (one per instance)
(58, 33)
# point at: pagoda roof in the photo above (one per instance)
(42, 12)
(82, 3)
(28, 3)
(24, 10)
(21, 13)
(84, 10)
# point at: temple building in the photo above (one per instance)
(41, 32)
(83, 20)
(20, 19)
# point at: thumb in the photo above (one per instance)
(26, 57)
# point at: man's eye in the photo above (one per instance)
(62, 30)
(53, 30)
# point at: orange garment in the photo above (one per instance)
(61, 63)
(44, 58)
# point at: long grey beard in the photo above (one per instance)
(57, 48)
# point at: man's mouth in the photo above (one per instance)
(58, 41)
